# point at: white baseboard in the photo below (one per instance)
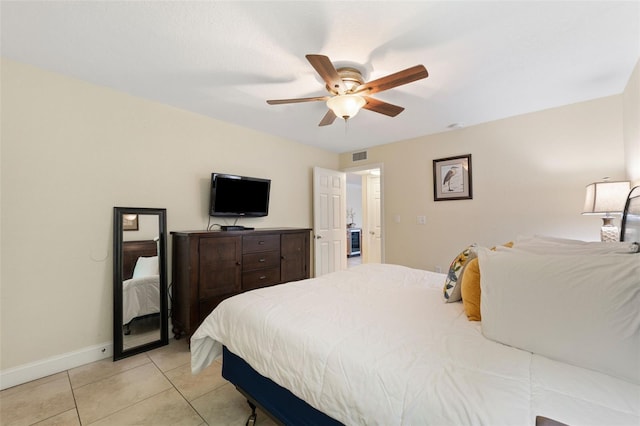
(48, 366)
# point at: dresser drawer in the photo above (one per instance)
(260, 278)
(256, 243)
(265, 259)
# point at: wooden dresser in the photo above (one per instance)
(210, 266)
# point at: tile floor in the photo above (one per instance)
(353, 261)
(154, 388)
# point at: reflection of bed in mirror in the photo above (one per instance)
(140, 285)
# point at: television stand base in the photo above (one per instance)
(235, 228)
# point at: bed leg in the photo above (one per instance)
(251, 421)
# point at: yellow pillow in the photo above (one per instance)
(470, 288)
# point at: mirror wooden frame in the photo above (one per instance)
(118, 339)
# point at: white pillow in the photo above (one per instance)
(146, 266)
(583, 310)
(549, 239)
(540, 244)
(572, 250)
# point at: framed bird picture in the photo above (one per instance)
(452, 178)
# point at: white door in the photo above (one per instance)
(373, 233)
(329, 220)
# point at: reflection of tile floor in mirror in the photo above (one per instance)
(141, 331)
(152, 388)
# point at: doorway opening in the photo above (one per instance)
(364, 215)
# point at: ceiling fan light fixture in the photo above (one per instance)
(346, 106)
(348, 92)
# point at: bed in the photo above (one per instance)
(390, 345)
(141, 281)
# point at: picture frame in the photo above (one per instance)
(452, 178)
(130, 222)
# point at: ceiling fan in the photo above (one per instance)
(348, 92)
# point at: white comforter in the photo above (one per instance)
(377, 345)
(140, 296)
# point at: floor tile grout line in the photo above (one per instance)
(178, 390)
(130, 405)
(75, 406)
(73, 395)
(125, 408)
(149, 359)
(111, 374)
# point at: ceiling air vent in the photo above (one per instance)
(359, 156)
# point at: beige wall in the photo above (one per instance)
(632, 126)
(72, 151)
(529, 175)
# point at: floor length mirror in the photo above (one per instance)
(140, 302)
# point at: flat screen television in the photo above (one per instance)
(238, 196)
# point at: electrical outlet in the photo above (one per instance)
(422, 220)
(439, 269)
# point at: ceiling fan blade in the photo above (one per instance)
(399, 78)
(323, 66)
(296, 100)
(382, 107)
(328, 118)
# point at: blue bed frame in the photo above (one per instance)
(277, 402)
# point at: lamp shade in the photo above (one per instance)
(346, 106)
(605, 197)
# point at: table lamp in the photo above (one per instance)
(606, 198)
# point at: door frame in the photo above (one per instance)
(363, 168)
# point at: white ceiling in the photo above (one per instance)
(486, 60)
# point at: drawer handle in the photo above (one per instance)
(263, 277)
(261, 243)
(262, 260)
